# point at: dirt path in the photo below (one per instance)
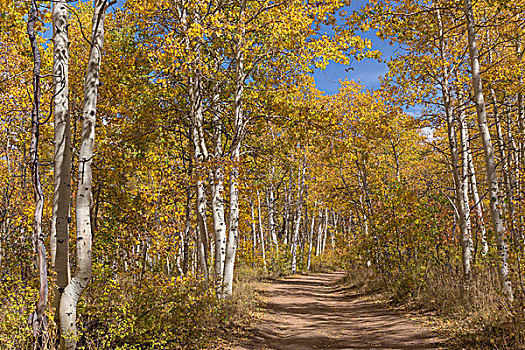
(309, 312)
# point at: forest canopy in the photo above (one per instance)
(153, 154)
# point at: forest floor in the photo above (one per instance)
(316, 312)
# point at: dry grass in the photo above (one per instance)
(472, 315)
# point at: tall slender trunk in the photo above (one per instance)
(37, 319)
(462, 205)
(286, 219)
(253, 226)
(478, 204)
(310, 242)
(270, 199)
(490, 164)
(325, 230)
(261, 231)
(219, 225)
(217, 204)
(240, 77)
(233, 231)
(295, 238)
(202, 230)
(465, 149)
(332, 232)
(77, 284)
(200, 155)
(59, 240)
(505, 157)
(319, 234)
(521, 122)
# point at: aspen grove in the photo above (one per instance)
(158, 156)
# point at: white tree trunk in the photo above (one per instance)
(465, 149)
(297, 221)
(261, 231)
(319, 234)
(310, 241)
(505, 157)
(59, 240)
(478, 204)
(325, 230)
(219, 224)
(253, 226)
(462, 204)
(271, 217)
(77, 285)
(217, 206)
(521, 123)
(37, 319)
(240, 77)
(202, 230)
(490, 164)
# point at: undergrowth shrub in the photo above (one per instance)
(278, 262)
(156, 312)
(17, 302)
(324, 262)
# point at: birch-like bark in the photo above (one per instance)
(297, 221)
(240, 77)
(465, 149)
(77, 284)
(200, 151)
(332, 232)
(462, 205)
(325, 230)
(253, 227)
(261, 231)
(219, 224)
(37, 319)
(233, 231)
(310, 242)
(286, 220)
(521, 121)
(271, 217)
(490, 164)
(217, 205)
(319, 234)
(59, 240)
(200, 156)
(505, 157)
(478, 204)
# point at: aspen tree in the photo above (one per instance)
(59, 240)
(461, 204)
(199, 146)
(490, 164)
(478, 204)
(37, 319)
(310, 241)
(261, 231)
(271, 216)
(319, 234)
(253, 227)
(239, 123)
(79, 282)
(217, 205)
(295, 238)
(465, 202)
(504, 156)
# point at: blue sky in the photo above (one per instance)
(366, 71)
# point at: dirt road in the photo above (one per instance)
(310, 312)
